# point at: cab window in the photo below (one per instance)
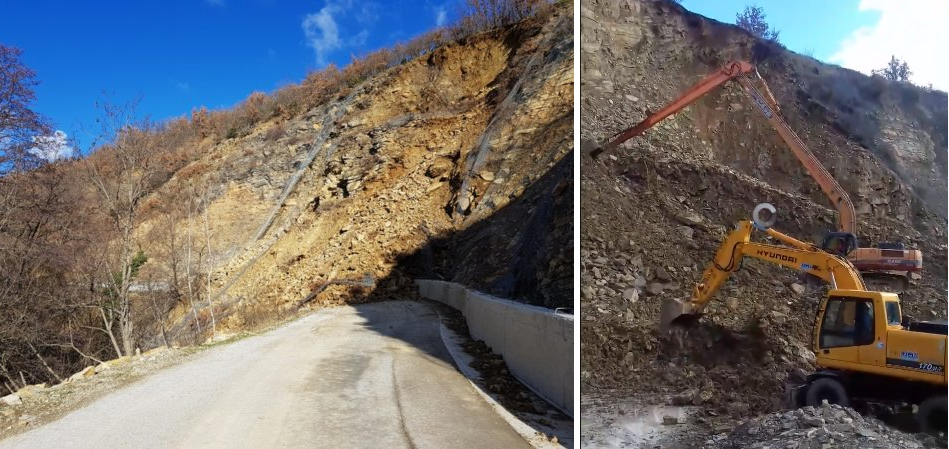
(893, 313)
(847, 322)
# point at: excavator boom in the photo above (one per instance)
(740, 71)
(727, 72)
(883, 263)
(834, 270)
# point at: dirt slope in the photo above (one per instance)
(427, 169)
(653, 215)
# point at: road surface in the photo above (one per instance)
(371, 376)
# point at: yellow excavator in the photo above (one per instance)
(865, 349)
(886, 266)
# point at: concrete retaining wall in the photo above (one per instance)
(536, 343)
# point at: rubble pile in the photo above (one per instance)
(827, 426)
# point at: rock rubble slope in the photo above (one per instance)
(828, 426)
(655, 211)
(428, 169)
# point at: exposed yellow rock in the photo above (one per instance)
(119, 361)
(88, 371)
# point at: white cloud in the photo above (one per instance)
(51, 148)
(360, 38)
(913, 32)
(441, 15)
(368, 13)
(322, 31)
(183, 86)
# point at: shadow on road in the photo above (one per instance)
(522, 251)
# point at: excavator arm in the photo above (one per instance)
(727, 72)
(741, 71)
(798, 255)
(828, 184)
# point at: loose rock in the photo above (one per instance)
(798, 289)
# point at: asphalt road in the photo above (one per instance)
(371, 376)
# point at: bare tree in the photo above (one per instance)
(753, 20)
(206, 202)
(895, 70)
(190, 269)
(35, 234)
(19, 124)
(119, 174)
(484, 15)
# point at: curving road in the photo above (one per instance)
(370, 376)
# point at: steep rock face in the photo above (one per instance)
(655, 211)
(429, 169)
(884, 141)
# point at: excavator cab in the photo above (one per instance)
(839, 243)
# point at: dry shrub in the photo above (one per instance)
(178, 133)
(150, 207)
(275, 132)
(485, 15)
(360, 69)
(252, 106)
(418, 46)
(192, 170)
(320, 85)
(287, 100)
(201, 121)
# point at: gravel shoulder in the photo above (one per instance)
(374, 375)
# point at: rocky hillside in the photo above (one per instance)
(884, 141)
(430, 169)
(655, 211)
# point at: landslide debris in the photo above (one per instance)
(455, 165)
(827, 426)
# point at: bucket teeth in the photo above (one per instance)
(674, 312)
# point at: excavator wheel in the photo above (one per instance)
(931, 415)
(676, 313)
(826, 389)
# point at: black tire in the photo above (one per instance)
(827, 388)
(931, 415)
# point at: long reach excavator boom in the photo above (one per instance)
(886, 262)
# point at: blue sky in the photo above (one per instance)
(799, 22)
(857, 34)
(181, 54)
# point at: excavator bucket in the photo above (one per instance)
(590, 147)
(676, 313)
